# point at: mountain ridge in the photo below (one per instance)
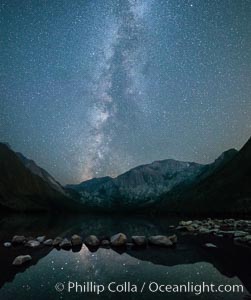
(163, 186)
(227, 189)
(142, 186)
(22, 190)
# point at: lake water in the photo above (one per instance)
(189, 261)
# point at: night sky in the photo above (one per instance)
(94, 88)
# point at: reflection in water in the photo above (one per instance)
(189, 261)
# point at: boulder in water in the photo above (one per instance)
(21, 259)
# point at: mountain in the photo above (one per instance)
(167, 186)
(35, 169)
(90, 185)
(226, 190)
(136, 188)
(24, 190)
(142, 187)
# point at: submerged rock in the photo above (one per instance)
(48, 242)
(57, 241)
(18, 239)
(21, 259)
(118, 240)
(139, 240)
(33, 244)
(65, 244)
(76, 240)
(7, 244)
(160, 240)
(92, 241)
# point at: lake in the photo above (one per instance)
(122, 272)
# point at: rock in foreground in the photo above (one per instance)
(33, 244)
(173, 238)
(118, 240)
(21, 259)
(76, 240)
(65, 244)
(48, 242)
(92, 241)
(139, 240)
(41, 239)
(57, 241)
(160, 240)
(18, 239)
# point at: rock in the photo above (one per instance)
(76, 240)
(229, 233)
(41, 239)
(240, 233)
(160, 240)
(203, 230)
(210, 245)
(185, 223)
(139, 240)
(18, 239)
(7, 244)
(195, 225)
(65, 244)
(173, 238)
(33, 244)
(21, 259)
(218, 234)
(48, 242)
(190, 228)
(118, 240)
(105, 242)
(57, 241)
(92, 241)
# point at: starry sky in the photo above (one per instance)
(92, 88)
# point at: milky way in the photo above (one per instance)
(94, 88)
(118, 76)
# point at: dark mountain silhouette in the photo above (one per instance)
(35, 169)
(167, 186)
(23, 190)
(226, 190)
